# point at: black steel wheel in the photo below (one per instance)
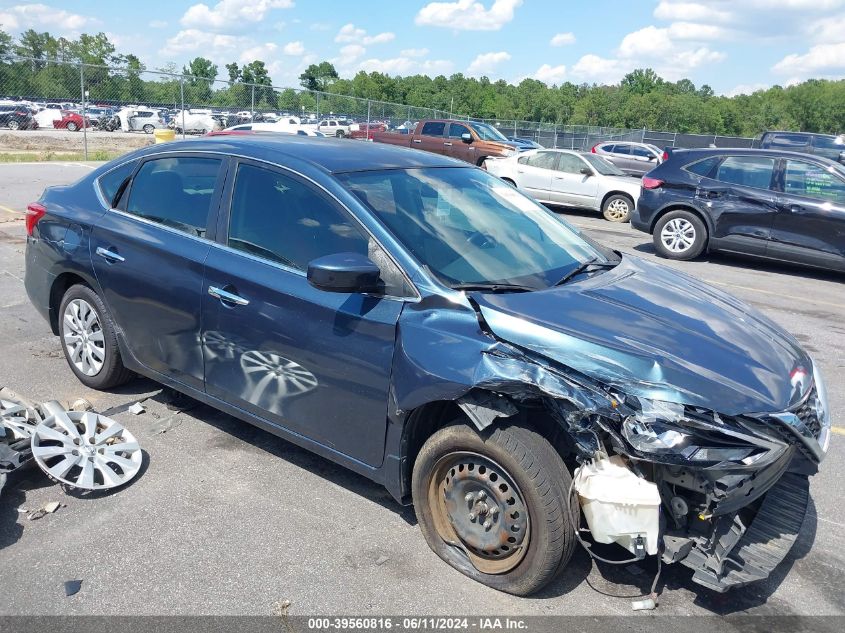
(491, 505)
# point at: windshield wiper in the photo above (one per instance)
(584, 267)
(493, 287)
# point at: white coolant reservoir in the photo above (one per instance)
(618, 505)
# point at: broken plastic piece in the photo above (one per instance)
(483, 408)
(72, 587)
(137, 409)
(648, 604)
(52, 507)
(81, 404)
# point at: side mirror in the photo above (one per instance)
(587, 171)
(344, 272)
(651, 157)
(466, 137)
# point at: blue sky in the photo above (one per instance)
(732, 45)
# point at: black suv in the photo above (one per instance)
(16, 118)
(826, 145)
(780, 205)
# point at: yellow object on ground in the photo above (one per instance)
(162, 136)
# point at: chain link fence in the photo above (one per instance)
(59, 107)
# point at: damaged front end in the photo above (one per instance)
(733, 490)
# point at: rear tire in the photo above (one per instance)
(517, 468)
(14, 125)
(107, 371)
(617, 208)
(72, 127)
(148, 129)
(679, 235)
(340, 134)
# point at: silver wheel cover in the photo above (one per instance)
(678, 235)
(86, 450)
(83, 337)
(21, 419)
(619, 208)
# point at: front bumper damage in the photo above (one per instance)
(731, 521)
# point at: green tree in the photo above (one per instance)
(318, 76)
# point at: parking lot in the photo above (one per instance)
(227, 519)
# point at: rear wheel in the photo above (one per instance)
(617, 208)
(148, 128)
(14, 125)
(89, 340)
(340, 134)
(71, 126)
(491, 505)
(679, 235)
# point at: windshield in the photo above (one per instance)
(602, 165)
(468, 227)
(488, 132)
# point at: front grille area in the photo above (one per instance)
(807, 412)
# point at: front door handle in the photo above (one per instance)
(109, 255)
(227, 297)
(447, 145)
(416, 140)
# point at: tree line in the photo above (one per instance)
(641, 100)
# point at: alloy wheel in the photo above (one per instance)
(86, 450)
(618, 209)
(83, 337)
(477, 507)
(678, 235)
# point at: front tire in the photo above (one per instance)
(89, 341)
(72, 127)
(492, 505)
(679, 235)
(14, 125)
(149, 129)
(340, 134)
(617, 208)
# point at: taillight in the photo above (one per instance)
(34, 212)
(593, 150)
(665, 155)
(651, 183)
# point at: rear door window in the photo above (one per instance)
(175, 192)
(543, 160)
(623, 149)
(608, 148)
(813, 181)
(433, 128)
(748, 171)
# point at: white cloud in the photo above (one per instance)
(691, 11)
(486, 63)
(468, 15)
(563, 39)
(648, 42)
(697, 31)
(550, 74)
(746, 89)
(597, 69)
(230, 14)
(351, 52)
(407, 66)
(351, 33)
(823, 59)
(263, 52)
(294, 49)
(828, 30)
(414, 52)
(40, 16)
(193, 40)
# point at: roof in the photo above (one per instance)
(774, 153)
(329, 154)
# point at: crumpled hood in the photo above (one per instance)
(652, 332)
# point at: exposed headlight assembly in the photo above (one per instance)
(822, 409)
(663, 433)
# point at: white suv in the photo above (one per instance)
(334, 127)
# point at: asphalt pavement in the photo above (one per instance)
(227, 519)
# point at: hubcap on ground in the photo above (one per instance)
(618, 209)
(678, 235)
(477, 505)
(83, 337)
(18, 417)
(86, 450)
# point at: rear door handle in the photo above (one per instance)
(416, 140)
(447, 145)
(109, 255)
(227, 297)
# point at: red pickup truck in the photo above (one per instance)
(467, 140)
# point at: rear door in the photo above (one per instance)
(623, 158)
(431, 137)
(149, 256)
(534, 174)
(570, 186)
(313, 362)
(832, 148)
(810, 223)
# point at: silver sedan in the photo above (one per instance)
(572, 179)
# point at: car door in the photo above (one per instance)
(148, 258)
(534, 174)
(809, 225)
(642, 160)
(431, 137)
(313, 362)
(741, 202)
(624, 159)
(455, 146)
(572, 187)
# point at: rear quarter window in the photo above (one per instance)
(112, 181)
(703, 167)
